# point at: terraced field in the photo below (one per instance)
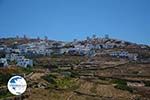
(86, 91)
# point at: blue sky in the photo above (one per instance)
(68, 19)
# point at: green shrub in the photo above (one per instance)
(120, 82)
(4, 78)
(50, 79)
(5, 95)
(147, 84)
(60, 83)
(124, 87)
(64, 83)
(74, 74)
(27, 70)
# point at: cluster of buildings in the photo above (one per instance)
(17, 59)
(43, 48)
(35, 48)
(3, 62)
(124, 54)
(82, 50)
(87, 47)
(14, 55)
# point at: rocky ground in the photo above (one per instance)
(90, 84)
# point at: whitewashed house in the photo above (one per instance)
(11, 56)
(79, 46)
(130, 56)
(25, 63)
(16, 50)
(3, 62)
(2, 47)
(23, 48)
(73, 51)
(40, 51)
(133, 56)
(79, 50)
(14, 57)
(48, 52)
(115, 54)
(119, 53)
(18, 58)
(84, 51)
(107, 46)
(58, 44)
(90, 46)
(8, 50)
(59, 51)
(35, 48)
(98, 46)
(123, 54)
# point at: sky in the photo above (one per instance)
(69, 19)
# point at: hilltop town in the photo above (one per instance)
(97, 68)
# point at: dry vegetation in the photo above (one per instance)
(107, 80)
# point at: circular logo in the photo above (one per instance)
(17, 85)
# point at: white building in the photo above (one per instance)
(3, 62)
(107, 46)
(18, 58)
(8, 50)
(21, 61)
(130, 56)
(14, 57)
(35, 48)
(2, 47)
(25, 63)
(59, 51)
(16, 50)
(11, 57)
(119, 53)
(133, 56)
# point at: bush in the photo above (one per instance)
(120, 82)
(61, 83)
(74, 74)
(27, 70)
(124, 87)
(5, 95)
(4, 78)
(147, 84)
(65, 83)
(50, 79)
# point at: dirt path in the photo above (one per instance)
(69, 98)
(36, 76)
